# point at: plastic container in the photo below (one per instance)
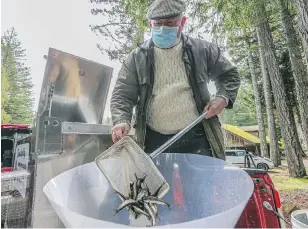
(204, 192)
(299, 219)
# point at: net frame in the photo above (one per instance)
(123, 160)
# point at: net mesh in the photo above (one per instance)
(14, 209)
(123, 160)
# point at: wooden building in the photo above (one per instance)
(235, 137)
(244, 137)
(254, 130)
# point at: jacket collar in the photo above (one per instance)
(149, 44)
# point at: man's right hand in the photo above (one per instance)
(119, 131)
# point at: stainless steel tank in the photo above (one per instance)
(68, 129)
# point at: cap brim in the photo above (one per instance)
(164, 17)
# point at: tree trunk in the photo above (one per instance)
(277, 135)
(263, 145)
(299, 71)
(299, 130)
(274, 148)
(286, 118)
(302, 9)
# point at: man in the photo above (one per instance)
(166, 78)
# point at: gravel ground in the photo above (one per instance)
(297, 198)
(293, 194)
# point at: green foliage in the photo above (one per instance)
(124, 27)
(5, 118)
(244, 110)
(18, 103)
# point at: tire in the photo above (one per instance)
(263, 166)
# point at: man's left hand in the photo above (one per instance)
(215, 107)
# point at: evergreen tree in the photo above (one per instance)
(5, 117)
(19, 94)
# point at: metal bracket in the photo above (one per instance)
(49, 136)
(85, 128)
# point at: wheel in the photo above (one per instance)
(263, 166)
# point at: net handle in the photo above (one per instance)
(177, 136)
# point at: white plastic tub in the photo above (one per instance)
(214, 195)
(299, 219)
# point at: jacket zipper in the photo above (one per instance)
(152, 78)
(189, 75)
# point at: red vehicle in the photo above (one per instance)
(7, 143)
(255, 215)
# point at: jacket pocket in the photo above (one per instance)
(143, 72)
(204, 92)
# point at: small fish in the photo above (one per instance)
(140, 201)
(133, 212)
(140, 211)
(149, 211)
(155, 200)
(131, 188)
(145, 187)
(120, 194)
(154, 208)
(135, 192)
(136, 215)
(143, 178)
(157, 191)
(137, 182)
(141, 195)
(139, 187)
(140, 180)
(127, 203)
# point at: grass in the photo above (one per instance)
(291, 190)
(282, 181)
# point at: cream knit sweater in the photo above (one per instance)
(172, 106)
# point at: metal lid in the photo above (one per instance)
(74, 89)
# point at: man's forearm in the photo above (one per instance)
(121, 109)
(125, 93)
(123, 99)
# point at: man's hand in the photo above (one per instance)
(119, 131)
(215, 107)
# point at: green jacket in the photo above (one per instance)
(203, 62)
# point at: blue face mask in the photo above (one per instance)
(165, 37)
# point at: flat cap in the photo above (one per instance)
(160, 9)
